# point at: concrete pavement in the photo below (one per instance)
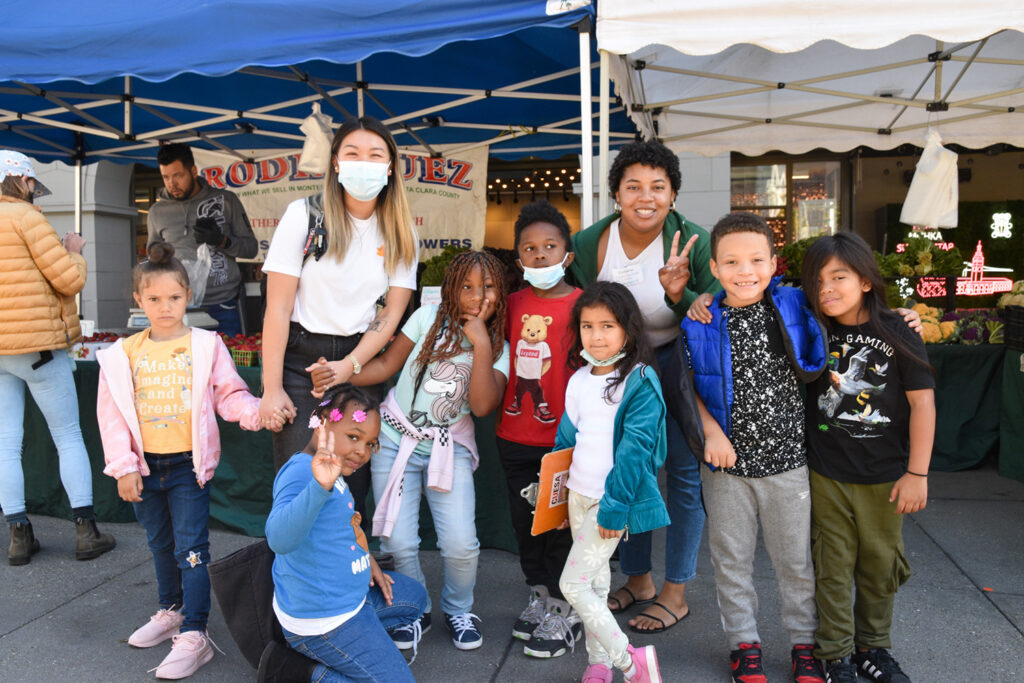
(959, 618)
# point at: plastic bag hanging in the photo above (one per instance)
(316, 150)
(934, 193)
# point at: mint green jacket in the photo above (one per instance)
(631, 499)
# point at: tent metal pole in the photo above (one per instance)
(938, 72)
(587, 138)
(78, 194)
(35, 90)
(360, 102)
(602, 163)
(127, 105)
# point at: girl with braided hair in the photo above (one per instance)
(453, 359)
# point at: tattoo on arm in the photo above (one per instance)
(377, 325)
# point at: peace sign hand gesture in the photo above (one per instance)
(676, 272)
(326, 465)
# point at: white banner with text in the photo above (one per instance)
(447, 196)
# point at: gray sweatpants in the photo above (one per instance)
(783, 502)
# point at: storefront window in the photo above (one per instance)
(797, 199)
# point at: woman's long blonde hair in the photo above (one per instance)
(393, 215)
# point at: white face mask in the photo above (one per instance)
(603, 363)
(547, 277)
(363, 179)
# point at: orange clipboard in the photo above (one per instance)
(552, 496)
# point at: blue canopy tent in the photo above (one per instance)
(113, 80)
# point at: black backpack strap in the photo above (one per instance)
(316, 235)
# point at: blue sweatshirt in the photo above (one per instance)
(319, 569)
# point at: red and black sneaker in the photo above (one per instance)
(806, 669)
(746, 664)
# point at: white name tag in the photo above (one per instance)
(628, 275)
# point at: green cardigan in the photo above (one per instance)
(583, 269)
(632, 499)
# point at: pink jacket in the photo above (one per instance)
(215, 385)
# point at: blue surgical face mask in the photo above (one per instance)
(363, 179)
(603, 363)
(547, 277)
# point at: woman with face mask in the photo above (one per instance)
(322, 307)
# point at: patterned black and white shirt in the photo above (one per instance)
(767, 408)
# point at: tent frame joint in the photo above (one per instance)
(881, 131)
(937, 106)
(940, 55)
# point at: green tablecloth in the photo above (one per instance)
(968, 380)
(1011, 423)
(241, 490)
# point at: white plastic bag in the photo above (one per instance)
(934, 193)
(316, 151)
(198, 273)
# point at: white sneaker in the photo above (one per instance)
(190, 651)
(558, 633)
(161, 626)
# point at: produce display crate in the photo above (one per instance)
(249, 359)
(1013, 332)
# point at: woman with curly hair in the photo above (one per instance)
(450, 355)
(663, 259)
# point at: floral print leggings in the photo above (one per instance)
(585, 583)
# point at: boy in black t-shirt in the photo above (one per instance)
(870, 428)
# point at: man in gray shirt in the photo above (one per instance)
(189, 212)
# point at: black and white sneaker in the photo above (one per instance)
(878, 665)
(840, 671)
(465, 630)
(531, 617)
(408, 636)
(557, 633)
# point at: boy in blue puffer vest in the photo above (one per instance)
(748, 362)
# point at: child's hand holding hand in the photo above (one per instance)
(718, 451)
(475, 326)
(129, 487)
(326, 465)
(381, 580)
(699, 309)
(322, 375)
(608, 534)
(676, 272)
(911, 492)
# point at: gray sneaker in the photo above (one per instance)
(531, 617)
(557, 633)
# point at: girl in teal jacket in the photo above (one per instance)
(615, 421)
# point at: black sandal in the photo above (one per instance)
(633, 600)
(663, 627)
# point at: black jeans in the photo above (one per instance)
(303, 349)
(543, 557)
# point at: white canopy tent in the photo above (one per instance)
(757, 75)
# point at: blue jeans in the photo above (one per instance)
(454, 516)
(682, 472)
(361, 649)
(174, 511)
(226, 315)
(53, 388)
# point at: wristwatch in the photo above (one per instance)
(356, 367)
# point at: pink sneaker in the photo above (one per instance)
(159, 628)
(597, 673)
(646, 662)
(190, 651)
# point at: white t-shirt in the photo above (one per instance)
(594, 417)
(530, 357)
(640, 276)
(332, 297)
